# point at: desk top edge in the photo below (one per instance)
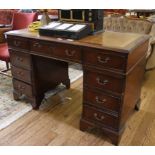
(107, 40)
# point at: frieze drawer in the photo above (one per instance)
(41, 47)
(18, 42)
(67, 52)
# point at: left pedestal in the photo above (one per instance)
(34, 75)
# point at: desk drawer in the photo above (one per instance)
(20, 59)
(102, 100)
(104, 59)
(67, 52)
(97, 116)
(22, 88)
(103, 81)
(41, 47)
(17, 42)
(21, 74)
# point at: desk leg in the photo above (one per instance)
(16, 96)
(112, 135)
(67, 83)
(137, 106)
(36, 101)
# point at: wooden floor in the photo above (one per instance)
(57, 122)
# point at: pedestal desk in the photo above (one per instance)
(113, 65)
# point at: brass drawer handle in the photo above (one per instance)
(19, 72)
(103, 61)
(17, 43)
(104, 82)
(69, 53)
(98, 118)
(51, 48)
(21, 87)
(37, 45)
(100, 101)
(19, 59)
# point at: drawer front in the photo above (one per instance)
(102, 81)
(20, 59)
(102, 100)
(17, 42)
(22, 88)
(104, 59)
(67, 52)
(96, 116)
(41, 47)
(21, 74)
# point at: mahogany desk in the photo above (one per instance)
(113, 65)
